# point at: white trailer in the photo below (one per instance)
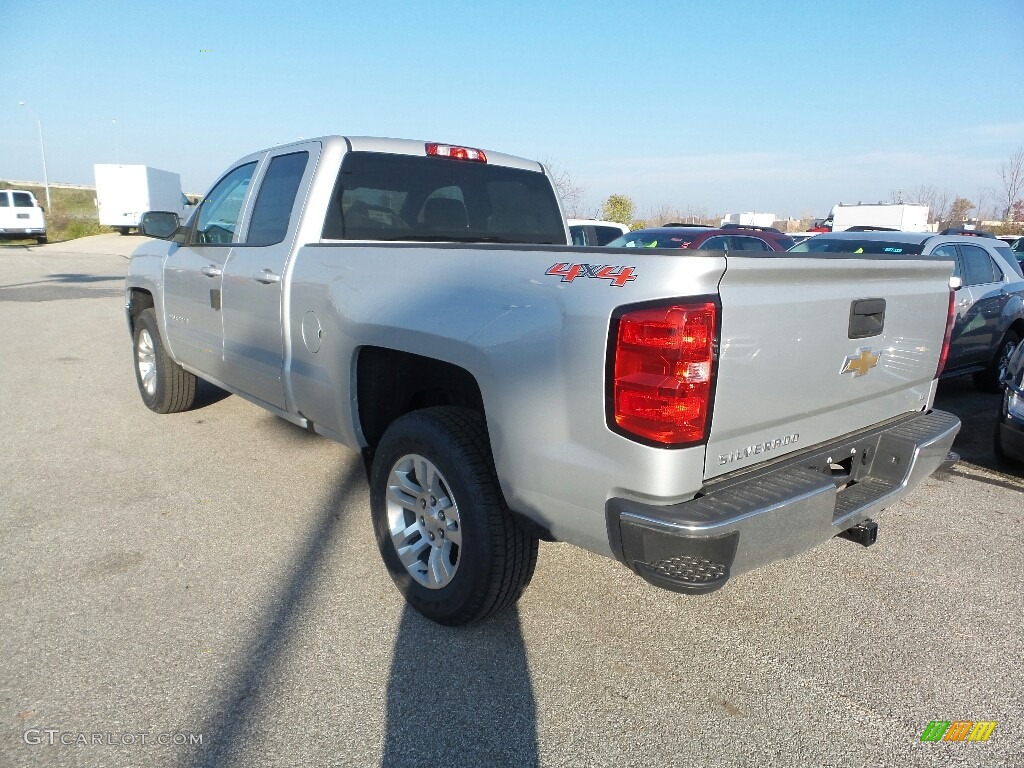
(125, 192)
(749, 219)
(906, 218)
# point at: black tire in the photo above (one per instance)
(174, 388)
(41, 240)
(122, 230)
(988, 380)
(496, 557)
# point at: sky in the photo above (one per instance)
(787, 107)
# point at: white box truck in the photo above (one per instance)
(125, 192)
(750, 219)
(906, 218)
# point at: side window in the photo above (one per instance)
(578, 234)
(948, 251)
(719, 243)
(276, 198)
(750, 244)
(5, 200)
(978, 266)
(22, 200)
(218, 218)
(606, 234)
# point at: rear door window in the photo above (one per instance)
(380, 196)
(22, 200)
(750, 244)
(719, 243)
(5, 200)
(276, 198)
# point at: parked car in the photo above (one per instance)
(1016, 245)
(21, 216)
(1010, 427)
(989, 321)
(595, 231)
(728, 237)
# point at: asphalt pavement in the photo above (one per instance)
(203, 589)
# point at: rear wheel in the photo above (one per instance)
(450, 543)
(165, 386)
(41, 240)
(988, 380)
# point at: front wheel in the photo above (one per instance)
(165, 386)
(450, 543)
(988, 380)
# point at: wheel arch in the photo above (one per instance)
(391, 383)
(139, 299)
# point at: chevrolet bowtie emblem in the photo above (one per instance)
(860, 363)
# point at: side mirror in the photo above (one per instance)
(956, 283)
(159, 224)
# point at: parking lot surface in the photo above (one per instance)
(203, 589)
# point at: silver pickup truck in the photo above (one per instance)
(692, 415)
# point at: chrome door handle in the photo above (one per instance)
(211, 271)
(266, 277)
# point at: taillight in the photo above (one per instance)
(950, 318)
(457, 153)
(662, 373)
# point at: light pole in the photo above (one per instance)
(42, 149)
(117, 147)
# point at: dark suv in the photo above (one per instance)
(989, 303)
(728, 237)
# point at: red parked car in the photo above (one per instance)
(731, 237)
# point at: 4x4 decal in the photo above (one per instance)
(618, 276)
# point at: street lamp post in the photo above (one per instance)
(42, 150)
(117, 144)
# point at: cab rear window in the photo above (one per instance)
(380, 196)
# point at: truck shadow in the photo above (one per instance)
(460, 696)
(237, 708)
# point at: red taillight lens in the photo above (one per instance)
(457, 153)
(950, 318)
(664, 361)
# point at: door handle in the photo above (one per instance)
(211, 271)
(266, 277)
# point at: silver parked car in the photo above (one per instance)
(989, 320)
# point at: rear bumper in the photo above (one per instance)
(13, 232)
(741, 522)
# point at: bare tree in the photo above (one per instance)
(567, 188)
(662, 214)
(1012, 174)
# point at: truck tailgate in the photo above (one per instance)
(789, 373)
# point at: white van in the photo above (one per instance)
(21, 216)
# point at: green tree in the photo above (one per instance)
(958, 212)
(618, 208)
